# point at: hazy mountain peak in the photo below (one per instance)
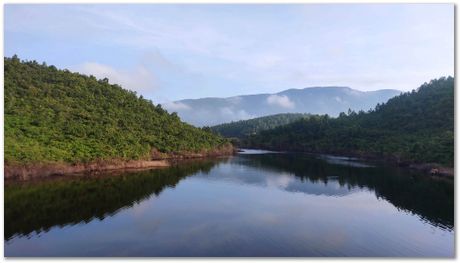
(316, 100)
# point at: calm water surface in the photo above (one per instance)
(252, 204)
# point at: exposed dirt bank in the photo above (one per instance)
(157, 160)
(25, 172)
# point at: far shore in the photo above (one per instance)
(24, 172)
(433, 169)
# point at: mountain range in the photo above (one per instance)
(329, 100)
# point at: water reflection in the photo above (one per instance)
(38, 206)
(341, 160)
(430, 198)
(271, 204)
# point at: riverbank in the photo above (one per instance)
(157, 160)
(433, 169)
(428, 168)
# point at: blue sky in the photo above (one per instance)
(171, 52)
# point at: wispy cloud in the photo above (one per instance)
(139, 79)
(234, 114)
(281, 101)
(175, 106)
(226, 50)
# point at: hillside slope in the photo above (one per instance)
(313, 100)
(240, 129)
(55, 116)
(416, 126)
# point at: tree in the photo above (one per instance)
(54, 115)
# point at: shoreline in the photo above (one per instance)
(30, 171)
(24, 172)
(432, 169)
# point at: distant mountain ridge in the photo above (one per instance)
(329, 100)
(414, 127)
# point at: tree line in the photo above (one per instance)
(417, 126)
(242, 128)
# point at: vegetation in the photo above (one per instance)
(54, 115)
(416, 126)
(240, 129)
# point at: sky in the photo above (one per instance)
(171, 52)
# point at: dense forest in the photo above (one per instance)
(417, 126)
(54, 115)
(240, 129)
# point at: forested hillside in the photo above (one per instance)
(243, 128)
(415, 126)
(54, 115)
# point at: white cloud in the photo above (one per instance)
(234, 115)
(139, 79)
(175, 106)
(258, 46)
(280, 100)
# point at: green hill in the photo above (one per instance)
(416, 126)
(244, 128)
(54, 115)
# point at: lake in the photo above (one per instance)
(252, 204)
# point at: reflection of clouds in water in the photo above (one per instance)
(283, 180)
(194, 233)
(268, 208)
(341, 160)
(255, 151)
(331, 188)
(267, 218)
(245, 175)
(139, 209)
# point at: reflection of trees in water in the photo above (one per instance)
(430, 198)
(40, 206)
